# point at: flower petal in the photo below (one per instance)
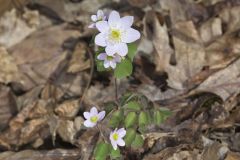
(117, 58)
(131, 35)
(102, 26)
(88, 123)
(86, 115)
(120, 142)
(94, 18)
(110, 50)
(127, 21)
(114, 18)
(121, 132)
(100, 13)
(102, 56)
(122, 49)
(93, 25)
(100, 40)
(93, 111)
(106, 64)
(112, 64)
(114, 144)
(101, 115)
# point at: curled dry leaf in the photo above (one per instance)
(68, 109)
(31, 130)
(224, 82)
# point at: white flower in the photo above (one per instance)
(93, 117)
(116, 138)
(109, 61)
(95, 18)
(115, 33)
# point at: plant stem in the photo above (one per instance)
(116, 89)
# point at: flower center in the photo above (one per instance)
(115, 136)
(94, 119)
(109, 58)
(115, 35)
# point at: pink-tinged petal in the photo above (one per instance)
(122, 49)
(110, 50)
(121, 132)
(86, 115)
(102, 26)
(127, 21)
(93, 111)
(100, 14)
(88, 123)
(106, 64)
(102, 56)
(100, 40)
(120, 142)
(131, 35)
(114, 18)
(112, 64)
(101, 115)
(92, 25)
(94, 18)
(114, 144)
(117, 58)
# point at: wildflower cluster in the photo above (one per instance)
(128, 120)
(115, 35)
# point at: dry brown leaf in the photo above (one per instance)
(31, 130)
(68, 109)
(13, 28)
(78, 60)
(232, 156)
(211, 30)
(56, 154)
(159, 35)
(224, 82)
(8, 106)
(41, 56)
(66, 130)
(8, 67)
(189, 54)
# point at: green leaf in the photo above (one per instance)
(100, 67)
(130, 136)
(115, 153)
(123, 69)
(116, 118)
(109, 106)
(133, 105)
(143, 119)
(138, 141)
(131, 119)
(101, 151)
(158, 117)
(132, 50)
(165, 113)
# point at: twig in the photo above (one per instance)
(91, 75)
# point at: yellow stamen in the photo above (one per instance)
(94, 119)
(115, 136)
(115, 35)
